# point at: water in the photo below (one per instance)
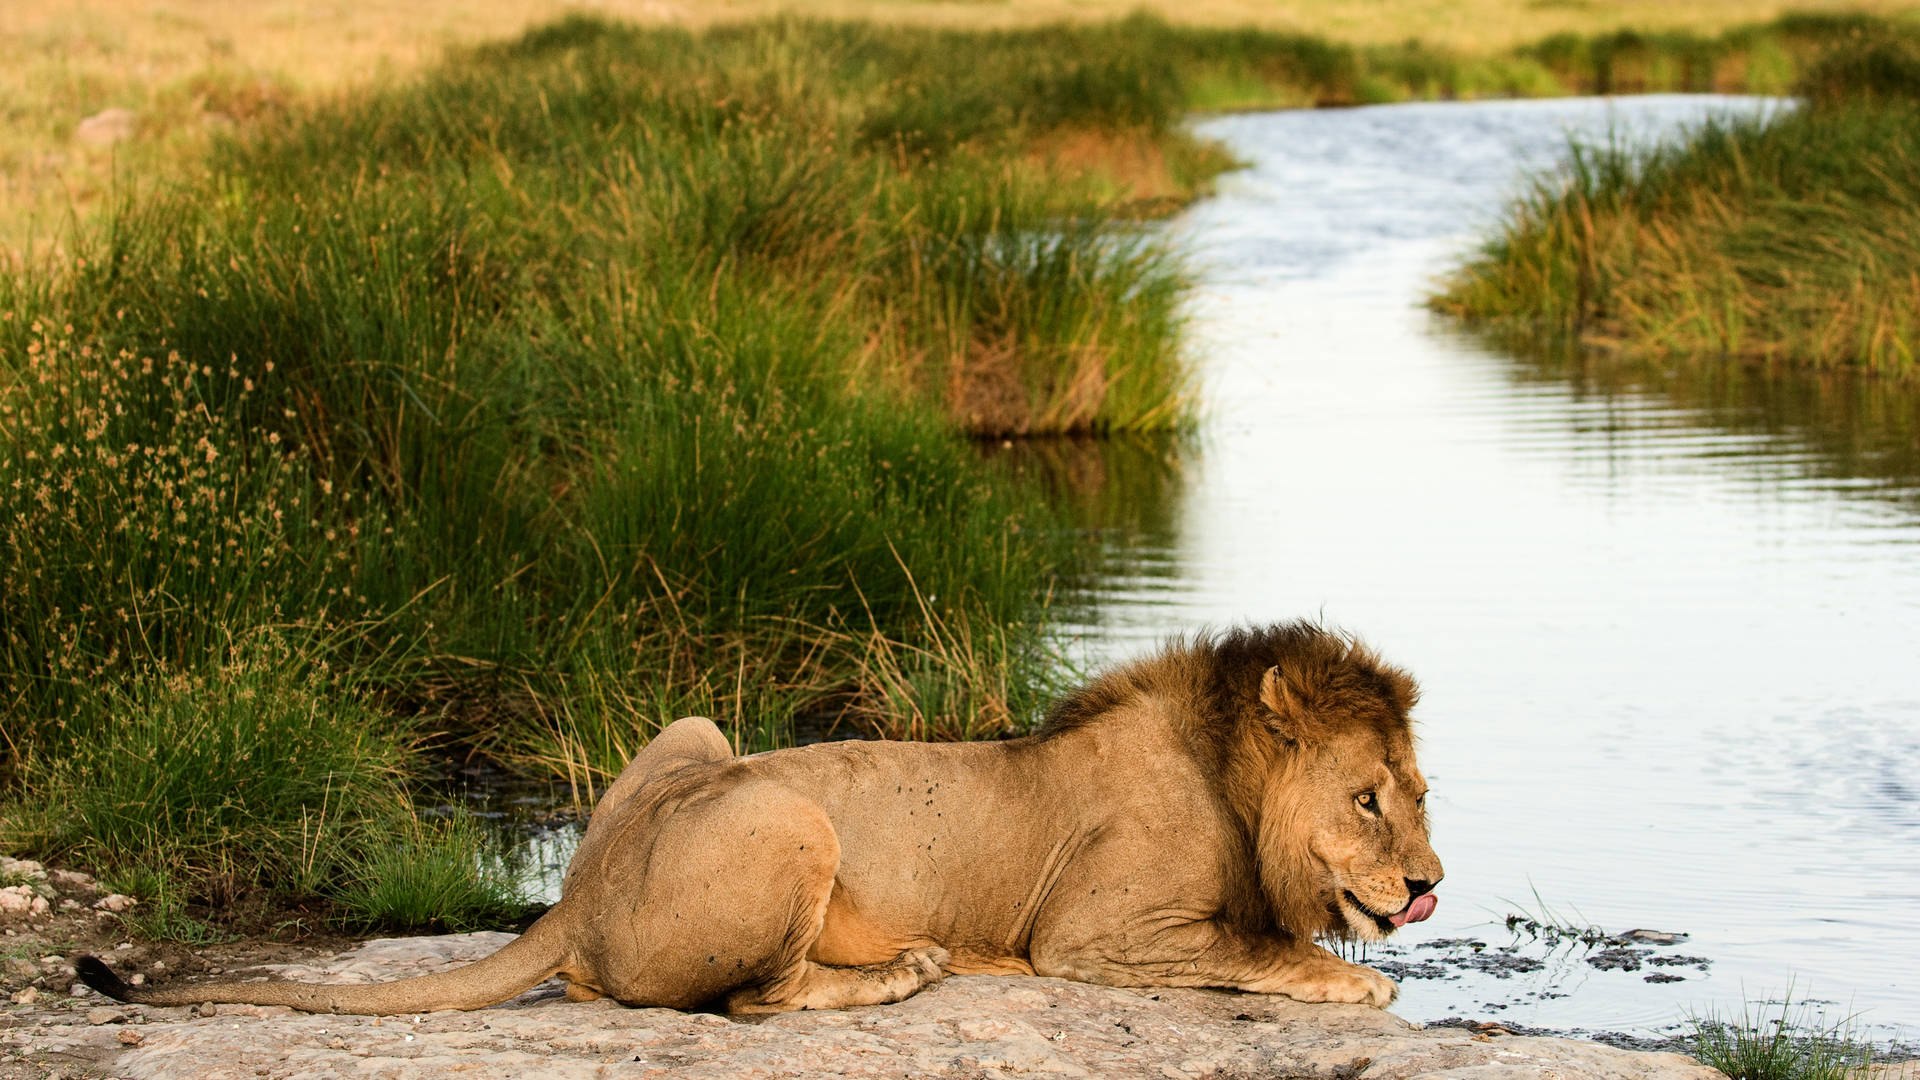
(1667, 621)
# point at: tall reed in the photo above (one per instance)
(1779, 239)
(597, 378)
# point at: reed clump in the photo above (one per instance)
(1777, 239)
(1782, 1041)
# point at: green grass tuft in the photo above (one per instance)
(255, 775)
(433, 876)
(1792, 1044)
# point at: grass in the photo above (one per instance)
(604, 376)
(434, 876)
(184, 76)
(1794, 1043)
(261, 778)
(1780, 239)
(1542, 923)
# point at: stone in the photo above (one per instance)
(114, 902)
(26, 996)
(22, 868)
(972, 1025)
(71, 879)
(21, 901)
(97, 1017)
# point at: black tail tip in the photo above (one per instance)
(97, 974)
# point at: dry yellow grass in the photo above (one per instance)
(183, 67)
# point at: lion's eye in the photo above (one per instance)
(1368, 801)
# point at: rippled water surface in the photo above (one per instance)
(1667, 622)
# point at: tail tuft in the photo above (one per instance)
(98, 975)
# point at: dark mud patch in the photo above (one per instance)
(1650, 1044)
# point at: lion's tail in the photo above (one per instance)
(525, 962)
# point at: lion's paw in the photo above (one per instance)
(1341, 982)
(930, 962)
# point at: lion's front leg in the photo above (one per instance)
(1310, 973)
(1210, 954)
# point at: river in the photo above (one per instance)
(1667, 621)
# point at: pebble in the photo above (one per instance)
(131, 1037)
(26, 996)
(96, 1017)
(71, 878)
(22, 900)
(115, 902)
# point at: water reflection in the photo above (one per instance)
(1792, 432)
(1125, 496)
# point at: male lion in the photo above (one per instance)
(1195, 818)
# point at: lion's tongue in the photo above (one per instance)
(1421, 907)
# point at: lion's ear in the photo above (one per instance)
(1289, 698)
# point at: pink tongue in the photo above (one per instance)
(1420, 908)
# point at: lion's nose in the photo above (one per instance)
(1417, 889)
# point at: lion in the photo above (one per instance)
(1195, 818)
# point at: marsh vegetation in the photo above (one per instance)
(1781, 239)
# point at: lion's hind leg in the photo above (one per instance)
(727, 903)
(819, 986)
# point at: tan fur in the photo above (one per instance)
(1186, 820)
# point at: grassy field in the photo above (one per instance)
(1782, 240)
(160, 79)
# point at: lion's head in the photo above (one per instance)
(1341, 803)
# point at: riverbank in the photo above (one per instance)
(1775, 240)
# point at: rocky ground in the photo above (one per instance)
(972, 1026)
